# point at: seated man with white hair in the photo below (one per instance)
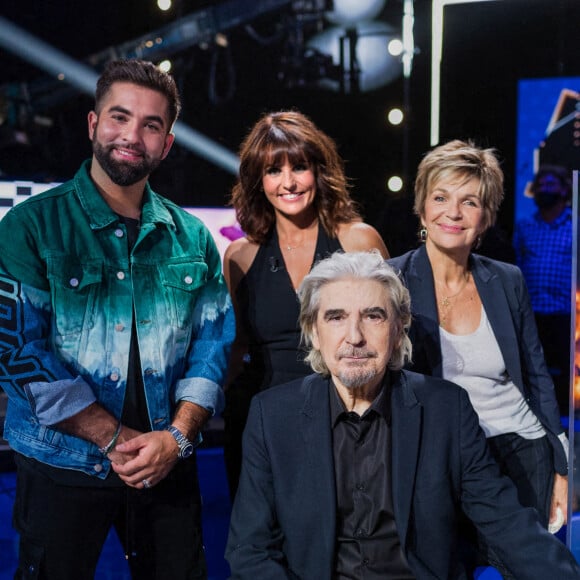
(361, 469)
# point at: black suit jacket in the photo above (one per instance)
(504, 295)
(284, 515)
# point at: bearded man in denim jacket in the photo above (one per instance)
(116, 326)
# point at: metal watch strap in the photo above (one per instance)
(185, 445)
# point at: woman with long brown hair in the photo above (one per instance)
(292, 202)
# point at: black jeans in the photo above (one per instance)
(529, 464)
(63, 528)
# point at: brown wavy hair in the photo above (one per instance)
(290, 135)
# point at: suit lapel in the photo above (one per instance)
(316, 432)
(425, 330)
(497, 308)
(406, 428)
(314, 422)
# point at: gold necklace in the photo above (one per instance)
(446, 301)
(290, 248)
(305, 238)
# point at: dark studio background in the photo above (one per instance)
(488, 46)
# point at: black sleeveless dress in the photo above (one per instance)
(269, 311)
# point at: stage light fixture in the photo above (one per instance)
(395, 116)
(395, 47)
(395, 183)
(164, 4)
(347, 12)
(373, 66)
(165, 65)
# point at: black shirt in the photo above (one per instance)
(367, 543)
(135, 413)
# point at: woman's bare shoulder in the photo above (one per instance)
(360, 237)
(238, 258)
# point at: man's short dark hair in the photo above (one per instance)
(144, 74)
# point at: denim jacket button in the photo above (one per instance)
(98, 468)
(114, 376)
(119, 327)
(74, 282)
(121, 275)
(119, 233)
(188, 279)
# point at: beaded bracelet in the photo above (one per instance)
(111, 444)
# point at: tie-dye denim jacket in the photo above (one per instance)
(68, 287)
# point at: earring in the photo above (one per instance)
(423, 234)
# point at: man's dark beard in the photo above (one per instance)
(119, 172)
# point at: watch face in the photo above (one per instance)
(186, 451)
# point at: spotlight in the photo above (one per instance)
(395, 47)
(395, 183)
(373, 66)
(165, 66)
(348, 12)
(395, 116)
(164, 4)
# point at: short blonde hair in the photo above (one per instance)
(462, 160)
(364, 266)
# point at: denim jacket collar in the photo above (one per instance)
(101, 215)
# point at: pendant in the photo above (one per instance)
(445, 302)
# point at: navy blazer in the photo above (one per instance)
(284, 515)
(504, 295)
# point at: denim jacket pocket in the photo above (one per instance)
(74, 289)
(182, 282)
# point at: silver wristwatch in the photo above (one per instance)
(186, 447)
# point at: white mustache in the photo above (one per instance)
(356, 353)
